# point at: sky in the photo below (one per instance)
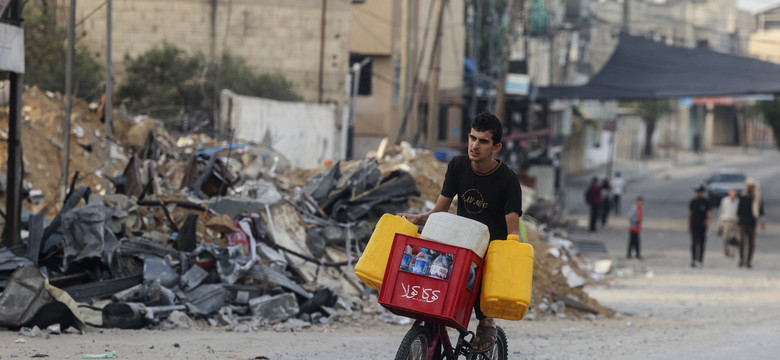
(754, 5)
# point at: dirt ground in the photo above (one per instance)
(666, 310)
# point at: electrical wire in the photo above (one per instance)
(90, 14)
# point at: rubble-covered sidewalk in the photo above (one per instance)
(220, 234)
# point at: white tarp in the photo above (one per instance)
(305, 133)
(11, 48)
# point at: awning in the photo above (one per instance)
(641, 68)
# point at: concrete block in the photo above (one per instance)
(274, 308)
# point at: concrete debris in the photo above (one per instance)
(395, 319)
(603, 266)
(178, 319)
(274, 308)
(572, 279)
(228, 233)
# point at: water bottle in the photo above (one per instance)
(472, 278)
(421, 262)
(440, 267)
(406, 259)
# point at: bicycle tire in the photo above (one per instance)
(415, 344)
(498, 352)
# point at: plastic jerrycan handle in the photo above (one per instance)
(522, 231)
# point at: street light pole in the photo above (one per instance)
(13, 204)
(109, 96)
(68, 101)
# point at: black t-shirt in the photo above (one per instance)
(745, 211)
(699, 208)
(484, 198)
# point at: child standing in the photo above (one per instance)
(635, 227)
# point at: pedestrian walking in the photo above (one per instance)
(605, 202)
(750, 212)
(727, 223)
(635, 227)
(617, 186)
(699, 213)
(593, 198)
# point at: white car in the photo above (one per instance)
(721, 181)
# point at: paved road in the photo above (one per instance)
(667, 189)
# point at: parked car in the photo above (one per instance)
(721, 181)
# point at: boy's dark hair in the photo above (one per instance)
(488, 122)
(639, 198)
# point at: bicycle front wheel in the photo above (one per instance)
(415, 344)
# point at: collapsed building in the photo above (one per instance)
(224, 233)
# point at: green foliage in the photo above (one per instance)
(238, 77)
(771, 111)
(162, 82)
(45, 46)
(165, 82)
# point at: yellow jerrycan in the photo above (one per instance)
(506, 282)
(370, 268)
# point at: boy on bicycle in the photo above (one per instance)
(488, 191)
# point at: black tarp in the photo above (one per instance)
(641, 68)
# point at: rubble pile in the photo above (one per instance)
(221, 234)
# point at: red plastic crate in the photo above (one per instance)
(447, 302)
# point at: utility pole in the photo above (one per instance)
(405, 53)
(13, 204)
(433, 84)
(476, 45)
(68, 101)
(320, 87)
(527, 51)
(625, 16)
(109, 96)
(505, 45)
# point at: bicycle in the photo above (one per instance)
(431, 341)
(436, 304)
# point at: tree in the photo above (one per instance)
(236, 75)
(162, 82)
(166, 82)
(771, 111)
(651, 111)
(45, 46)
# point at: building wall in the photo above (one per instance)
(768, 19)
(275, 36)
(305, 133)
(376, 31)
(765, 45)
(629, 138)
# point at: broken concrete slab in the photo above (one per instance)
(192, 278)
(288, 231)
(572, 279)
(155, 269)
(274, 308)
(206, 299)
